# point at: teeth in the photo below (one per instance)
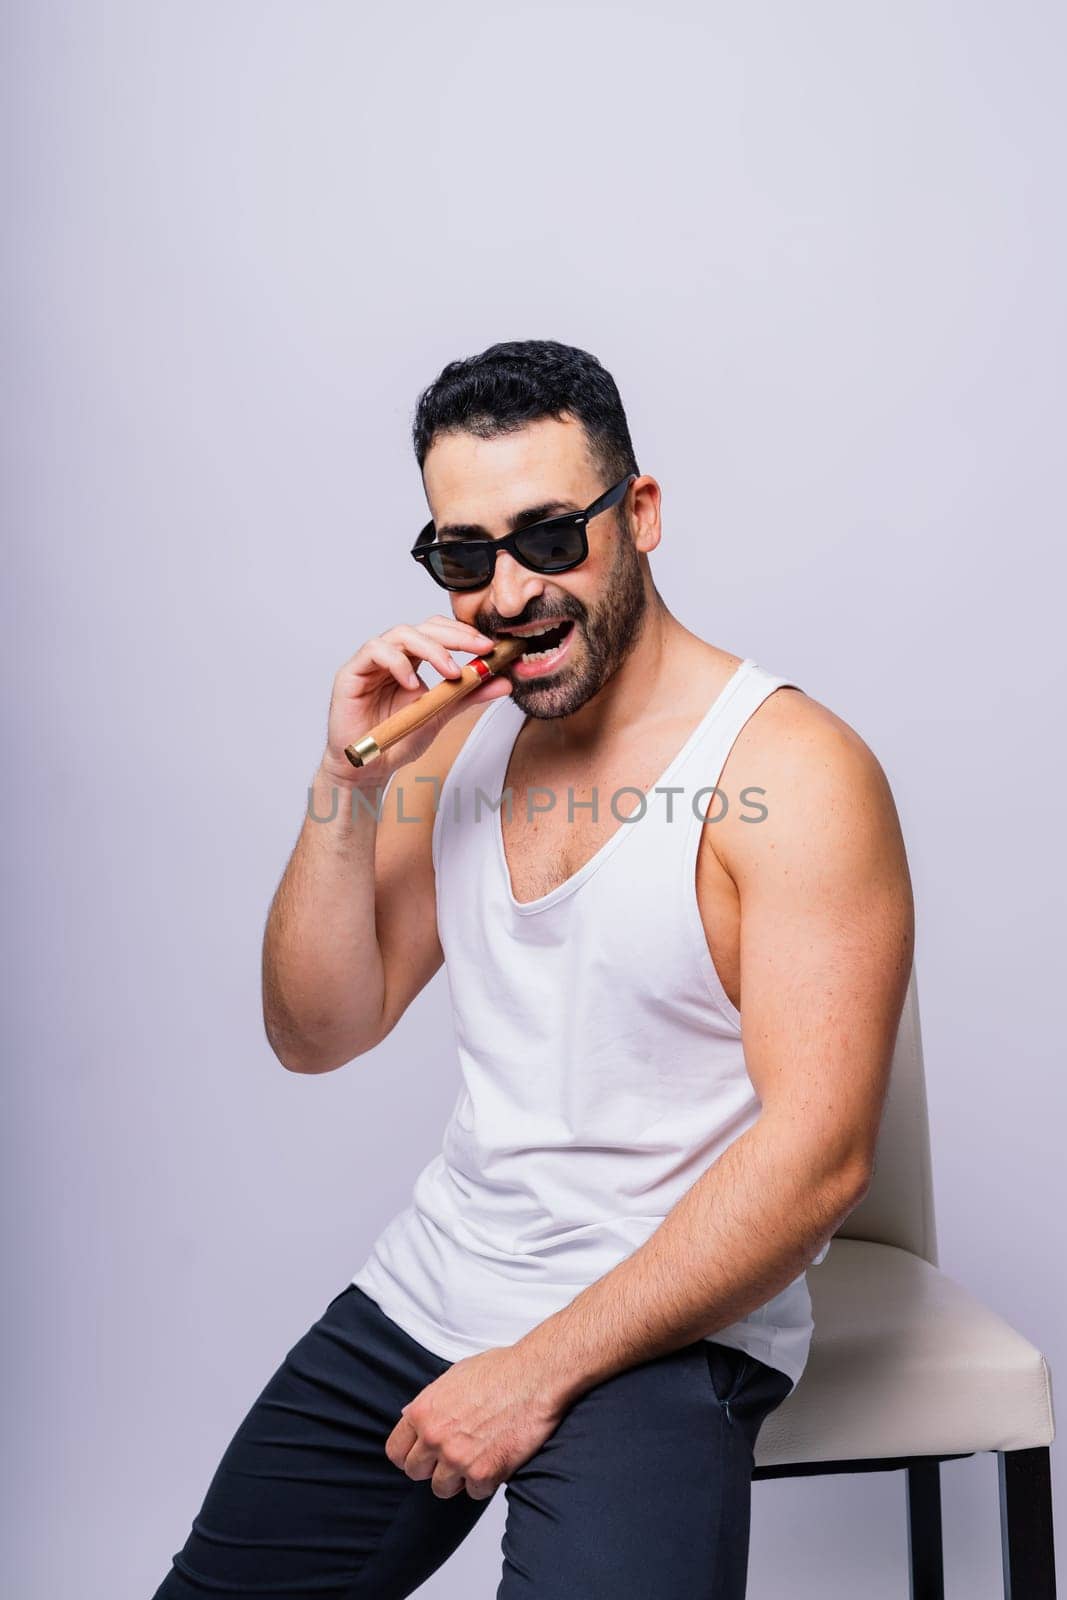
(542, 655)
(541, 633)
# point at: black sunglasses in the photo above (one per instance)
(555, 545)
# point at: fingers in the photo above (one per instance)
(399, 647)
(446, 1485)
(481, 1488)
(421, 643)
(400, 1442)
(380, 652)
(420, 1455)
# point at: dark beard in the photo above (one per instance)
(607, 638)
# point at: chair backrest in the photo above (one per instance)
(898, 1208)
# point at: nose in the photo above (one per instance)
(513, 586)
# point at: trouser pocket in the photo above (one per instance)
(745, 1387)
(728, 1369)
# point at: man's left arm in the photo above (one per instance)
(826, 945)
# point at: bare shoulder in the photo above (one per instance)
(814, 786)
(796, 732)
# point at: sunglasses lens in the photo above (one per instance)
(553, 546)
(460, 567)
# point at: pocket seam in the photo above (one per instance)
(746, 1367)
(725, 1400)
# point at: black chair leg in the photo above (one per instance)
(926, 1563)
(1026, 1524)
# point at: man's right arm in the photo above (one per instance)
(351, 936)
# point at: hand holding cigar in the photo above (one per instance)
(370, 746)
(382, 716)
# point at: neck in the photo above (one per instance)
(650, 683)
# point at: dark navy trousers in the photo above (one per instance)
(641, 1493)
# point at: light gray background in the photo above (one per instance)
(820, 247)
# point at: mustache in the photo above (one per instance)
(495, 625)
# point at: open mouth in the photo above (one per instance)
(546, 644)
(544, 653)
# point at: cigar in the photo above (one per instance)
(367, 748)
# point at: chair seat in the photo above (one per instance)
(904, 1362)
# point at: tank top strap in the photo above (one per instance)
(699, 774)
(479, 763)
(740, 697)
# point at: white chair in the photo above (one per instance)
(907, 1369)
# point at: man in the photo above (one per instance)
(676, 968)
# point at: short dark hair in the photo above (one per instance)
(512, 384)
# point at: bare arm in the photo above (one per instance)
(324, 973)
(351, 935)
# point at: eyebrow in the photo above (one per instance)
(521, 519)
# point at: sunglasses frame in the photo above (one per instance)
(426, 543)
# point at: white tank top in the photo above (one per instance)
(601, 1060)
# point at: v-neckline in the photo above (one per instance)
(576, 879)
